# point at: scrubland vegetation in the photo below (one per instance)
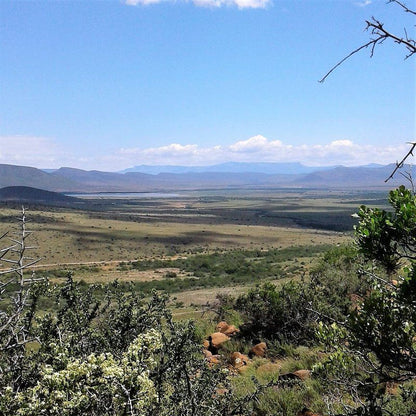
(105, 338)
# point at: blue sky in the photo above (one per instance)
(111, 84)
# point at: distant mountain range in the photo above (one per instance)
(224, 176)
(231, 167)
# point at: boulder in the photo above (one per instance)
(214, 342)
(296, 375)
(238, 360)
(217, 338)
(226, 329)
(207, 354)
(212, 359)
(259, 350)
(231, 330)
(221, 326)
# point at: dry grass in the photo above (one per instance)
(75, 237)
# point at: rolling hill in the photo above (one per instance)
(28, 194)
(360, 177)
(11, 175)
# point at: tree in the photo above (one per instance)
(373, 354)
(19, 295)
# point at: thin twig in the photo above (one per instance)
(377, 29)
(406, 9)
(401, 163)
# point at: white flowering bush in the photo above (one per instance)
(99, 384)
(108, 351)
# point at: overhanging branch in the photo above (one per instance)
(401, 163)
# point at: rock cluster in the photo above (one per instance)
(216, 341)
(238, 362)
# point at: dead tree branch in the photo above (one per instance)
(401, 163)
(13, 322)
(403, 6)
(380, 34)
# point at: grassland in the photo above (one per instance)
(163, 242)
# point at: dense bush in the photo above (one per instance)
(289, 313)
(275, 313)
(373, 354)
(123, 355)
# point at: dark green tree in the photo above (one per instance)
(373, 359)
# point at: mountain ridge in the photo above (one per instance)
(230, 167)
(69, 180)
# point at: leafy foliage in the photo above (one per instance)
(290, 313)
(123, 355)
(272, 313)
(388, 237)
(375, 350)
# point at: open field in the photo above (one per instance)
(113, 238)
(77, 237)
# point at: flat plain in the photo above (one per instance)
(147, 240)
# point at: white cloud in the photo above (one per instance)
(254, 4)
(43, 152)
(29, 150)
(241, 4)
(253, 144)
(364, 3)
(260, 149)
(143, 2)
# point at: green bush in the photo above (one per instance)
(290, 313)
(107, 351)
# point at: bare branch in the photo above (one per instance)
(14, 256)
(401, 163)
(377, 28)
(344, 59)
(403, 6)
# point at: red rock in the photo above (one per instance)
(207, 353)
(296, 375)
(259, 350)
(231, 330)
(238, 360)
(226, 329)
(218, 338)
(222, 326)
